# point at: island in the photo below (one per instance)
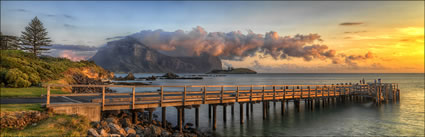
(232, 70)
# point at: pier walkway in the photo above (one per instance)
(192, 96)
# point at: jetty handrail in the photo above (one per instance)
(237, 93)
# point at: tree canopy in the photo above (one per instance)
(34, 37)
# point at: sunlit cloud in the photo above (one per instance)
(415, 31)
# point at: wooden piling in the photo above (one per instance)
(224, 113)
(209, 111)
(247, 110)
(134, 114)
(233, 110)
(197, 116)
(241, 113)
(164, 117)
(214, 117)
(179, 119)
(264, 110)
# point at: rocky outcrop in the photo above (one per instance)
(84, 80)
(18, 120)
(129, 55)
(119, 123)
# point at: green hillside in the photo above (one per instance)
(21, 69)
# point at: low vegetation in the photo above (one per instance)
(27, 92)
(22, 69)
(56, 125)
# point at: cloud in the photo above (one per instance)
(68, 16)
(72, 55)
(234, 45)
(350, 23)
(354, 32)
(69, 26)
(20, 10)
(115, 38)
(73, 47)
(352, 59)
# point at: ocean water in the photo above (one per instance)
(404, 118)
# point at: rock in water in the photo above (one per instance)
(129, 55)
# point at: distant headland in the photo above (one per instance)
(232, 70)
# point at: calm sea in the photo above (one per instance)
(404, 118)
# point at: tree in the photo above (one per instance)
(9, 42)
(35, 36)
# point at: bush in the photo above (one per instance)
(21, 69)
(16, 78)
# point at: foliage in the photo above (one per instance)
(9, 42)
(56, 125)
(27, 92)
(21, 69)
(35, 36)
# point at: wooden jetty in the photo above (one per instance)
(192, 96)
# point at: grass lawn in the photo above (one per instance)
(56, 125)
(27, 92)
(20, 107)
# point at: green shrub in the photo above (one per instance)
(21, 69)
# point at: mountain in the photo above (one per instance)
(129, 55)
(233, 71)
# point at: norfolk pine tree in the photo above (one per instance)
(35, 36)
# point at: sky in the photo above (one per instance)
(364, 36)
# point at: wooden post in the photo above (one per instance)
(224, 113)
(252, 108)
(250, 94)
(48, 96)
(183, 117)
(150, 115)
(293, 92)
(179, 123)
(209, 111)
(214, 117)
(264, 92)
(247, 110)
(237, 93)
(264, 110)
(103, 98)
(184, 97)
(233, 110)
(134, 97)
(274, 94)
(283, 100)
(301, 94)
(134, 116)
(241, 113)
(164, 117)
(222, 94)
(197, 116)
(162, 96)
(205, 96)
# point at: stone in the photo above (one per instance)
(130, 131)
(125, 122)
(139, 129)
(93, 132)
(114, 135)
(177, 134)
(103, 133)
(165, 133)
(115, 129)
(112, 120)
(156, 131)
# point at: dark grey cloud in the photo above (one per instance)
(115, 38)
(69, 16)
(351, 23)
(234, 45)
(74, 47)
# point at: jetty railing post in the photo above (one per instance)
(283, 100)
(162, 96)
(48, 96)
(293, 92)
(264, 92)
(184, 97)
(134, 97)
(274, 94)
(103, 98)
(222, 94)
(237, 93)
(204, 98)
(250, 94)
